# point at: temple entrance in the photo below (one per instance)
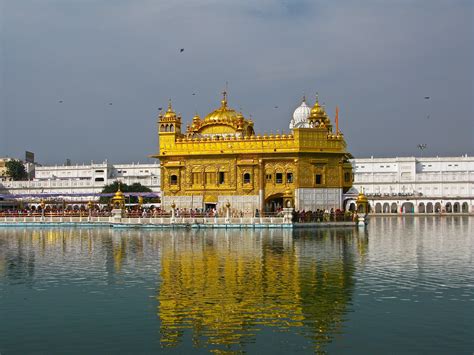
(274, 203)
(209, 206)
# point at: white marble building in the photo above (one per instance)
(420, 185)
(83, 179)
(392, 185)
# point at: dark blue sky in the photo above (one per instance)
(377, 60)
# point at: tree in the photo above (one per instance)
(136, 187)
(16, 170)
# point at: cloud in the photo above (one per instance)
(375, 59)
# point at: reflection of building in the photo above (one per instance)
(219, 158)
(424, 185)
(226, 289)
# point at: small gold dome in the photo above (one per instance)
(317, 110)
(361, 198)
(170, 114)
(118, 194)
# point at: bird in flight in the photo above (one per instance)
(181, 50)
(194, 93)
(427, 97)
(160, 108)
(276, 106)
(428, 117)
(60, 101)
(110, 103)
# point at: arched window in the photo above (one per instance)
(171, 128)
(246, 178)
(173, 180)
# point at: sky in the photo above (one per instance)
(83, 79)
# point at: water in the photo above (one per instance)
(406, 285)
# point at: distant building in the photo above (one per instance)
(84, 179)
(29, 168)
(3, 169)
(416, 185)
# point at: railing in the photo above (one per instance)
(139, 220)
(165, 218)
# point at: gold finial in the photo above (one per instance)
(224, 99)
(170, 108)
(304, 98)
(317, 97)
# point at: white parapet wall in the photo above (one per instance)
(311, 199)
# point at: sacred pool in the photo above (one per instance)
(402, 285)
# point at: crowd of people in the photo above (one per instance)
(332, 215)
(320, 215)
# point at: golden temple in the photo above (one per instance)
(219, 159)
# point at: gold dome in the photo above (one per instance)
(317, 109)
(170, 114)
(361, 198)
(224, 113)
(119, 194)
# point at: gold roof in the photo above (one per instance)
(119, 194)
(223, 116)
(361, 198)
(170, 113)
(317, 109)
(223, 113)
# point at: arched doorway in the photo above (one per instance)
(465, 207)
(378, 207)
(449, 208)
(407, 207)
(393, 208)
(386, 207)
(456, 207)
(437, 207)
(421, 207)
(352, 206)
(429, 207)
(274, 203)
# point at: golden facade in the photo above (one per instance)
(220, 159)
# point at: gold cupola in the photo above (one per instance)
(169, 114)
(223, 113)
(317, 109)
(318, 117)
(118, 200)
(170, 122)
(222, 122)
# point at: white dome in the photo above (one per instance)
(300, 116)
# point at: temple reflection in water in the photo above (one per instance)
(217, 289)
(226, 289)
